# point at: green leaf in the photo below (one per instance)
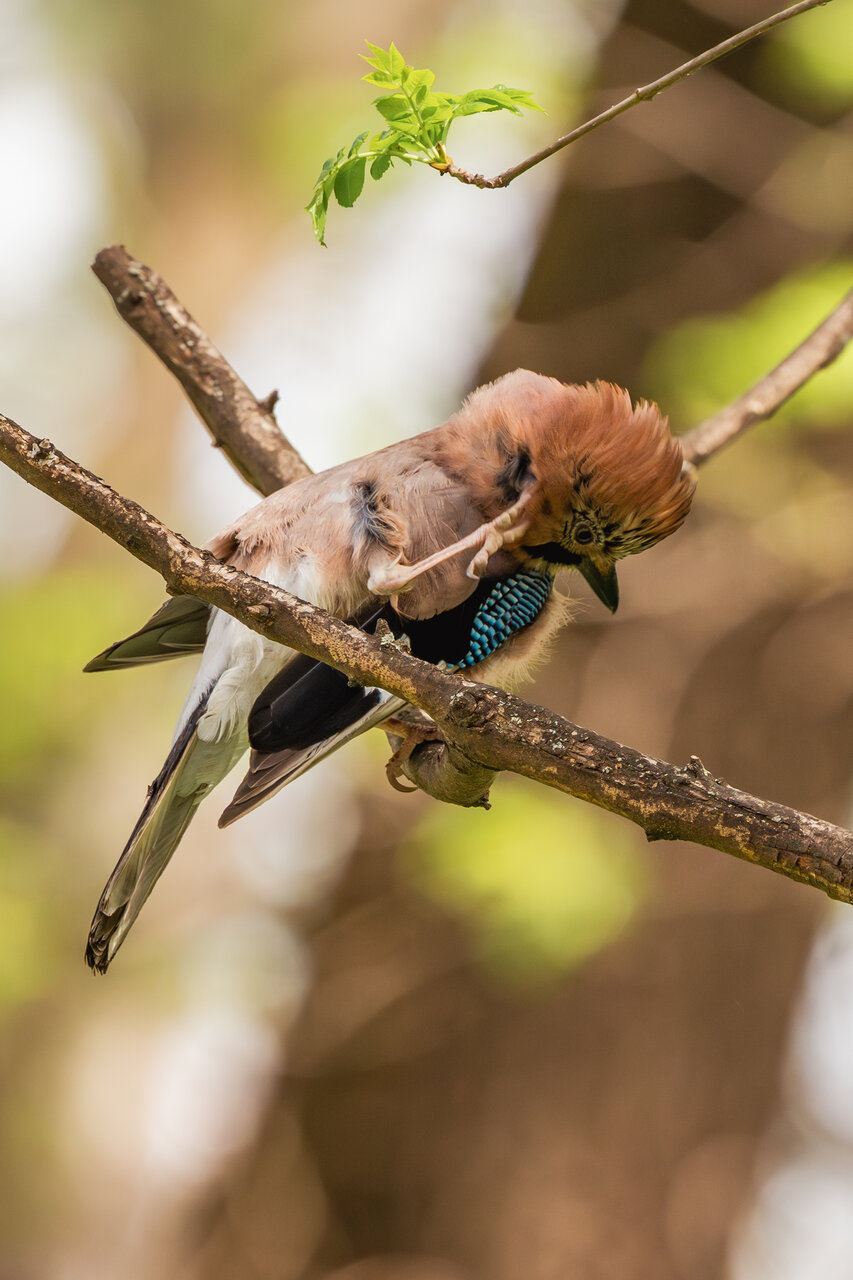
(486, 100)
(392, 141)
(318, 208)
(350, 181)
(381, 59)
(437, 111)
(419, 119)
(418, 83)
(319, 204)
(522, 96)
(380, 167)
(396, 61)
(395, 108)
(498, 98)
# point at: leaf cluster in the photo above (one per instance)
(417, 121)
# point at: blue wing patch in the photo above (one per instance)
(513, 603)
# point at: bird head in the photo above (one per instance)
(603, 478)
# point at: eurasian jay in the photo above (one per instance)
(453, 537)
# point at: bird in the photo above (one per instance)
(452, 538)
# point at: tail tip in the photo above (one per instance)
(227, 816)
(97, 954)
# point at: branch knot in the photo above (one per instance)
(469, 708)
(41, 451)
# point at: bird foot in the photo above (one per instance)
(506, 530)
(413, 736)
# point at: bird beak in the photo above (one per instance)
(604, 583)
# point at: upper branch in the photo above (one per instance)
(248, 434)
(492, 728)
(242, 426)
(644, 94)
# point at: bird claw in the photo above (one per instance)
(389, 579)
(493, 541)
(505, 530)
(415, 736)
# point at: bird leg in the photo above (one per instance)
(414, 735)
(506, 530)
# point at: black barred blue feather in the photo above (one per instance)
(512, 603)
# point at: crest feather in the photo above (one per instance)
(586, 442)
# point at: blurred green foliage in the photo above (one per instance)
(811, 57)
(286, 140)
(28, 951)
(704, 363)
(173, 62)
(51, 626)
(543, 881)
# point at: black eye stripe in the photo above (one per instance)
(553, 553)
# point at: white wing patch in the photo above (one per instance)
(246, 661)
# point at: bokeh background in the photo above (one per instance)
(360, 1036)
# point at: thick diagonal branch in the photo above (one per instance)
(243, 427)
(494, 729)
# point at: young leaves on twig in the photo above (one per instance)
(417, 120)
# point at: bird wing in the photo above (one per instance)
(269, 771)
(179, 626)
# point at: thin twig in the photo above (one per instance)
(495, 730)
(823, 345)
(645, 94)
(243, 427)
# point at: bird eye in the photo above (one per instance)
(583, 536)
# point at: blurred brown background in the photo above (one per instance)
(360, 1036)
